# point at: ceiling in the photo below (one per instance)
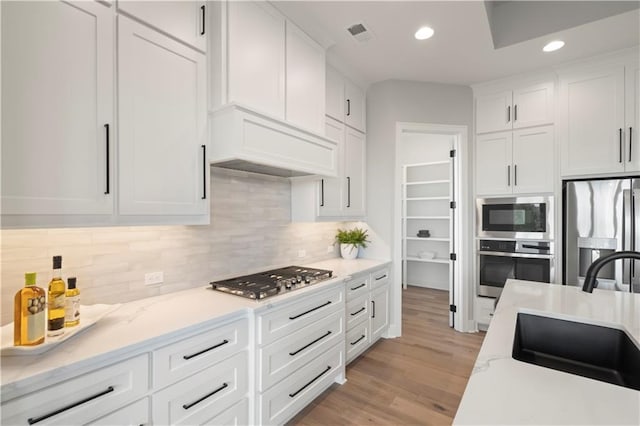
(462, 50)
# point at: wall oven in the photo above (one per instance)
(499, 260)
(516, 217)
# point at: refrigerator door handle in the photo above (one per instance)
(627, 234)
(635, 227)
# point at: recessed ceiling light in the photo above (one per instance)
(424, 33)
(554, 45)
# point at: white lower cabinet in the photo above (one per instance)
(358, 338)
(133, 414)
(238, 415)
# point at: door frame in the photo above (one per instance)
(462, 293)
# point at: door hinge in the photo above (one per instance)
(452, 204)
(452, 153)
(453, 308)
(453, 256)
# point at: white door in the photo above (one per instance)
(354, 173)
(493, 164)
(256, 57)
(162, 124)
(329, 190)
(379, 311)
(184, 20)
(533, 154)
(591, 122)
(533, 105)
(335, 94)
(632, 122)
(305, 92)
(57, 108)
(354, 107)
(493, 112)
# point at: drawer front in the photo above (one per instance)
(283, 401)
(379, 277)
(238, 415)
(358, 339)
(84, 398)
(200, 397)
(357, 286)
(134, 414)
(285, 320)
(357, 311)
(183, 358)
(279, 359)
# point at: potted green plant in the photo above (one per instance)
(350, 241)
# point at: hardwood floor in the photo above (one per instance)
(418, 378)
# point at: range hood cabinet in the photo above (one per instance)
(242, 139)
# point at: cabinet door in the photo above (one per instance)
(256, 57)
(493, 164)
(330, 194)
(57, 97)
(162, 124)
(533, 154)
(591, 122)
(184, 20)
(335, 94)
(305, 93)
(493, 112)
(533, 105)
(632, 114)
(354, 173)
(355, 106)
(379, 312)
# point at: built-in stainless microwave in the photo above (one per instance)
(515, 217)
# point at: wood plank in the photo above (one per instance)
(418, 378)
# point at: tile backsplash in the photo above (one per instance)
(250, 230)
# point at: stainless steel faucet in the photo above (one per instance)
(590, 281)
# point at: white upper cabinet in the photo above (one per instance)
(162, 125)
(335, 94)
(355, 106)
(330, 202)
(528, 106)
(57, 112)
(632, 115)
(185, 20)
(354, 173)
(345, 101)
(494, 155)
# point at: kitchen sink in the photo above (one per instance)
(600, 353)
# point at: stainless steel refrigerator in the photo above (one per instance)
(599, 217)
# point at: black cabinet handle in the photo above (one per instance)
(509, 114)
(381, 277)
(310, 310)
(348, 107)
(321, 192)
(348, 191)
(353, 314)
(204, 171)
(203, 10)
(358, 286)
(373, 311)
(292, 395)
(224, 342)
(294, 353)
(620, 136)
(515, 112)
(356, 342)
(515, 175)
(34, 420)
(187, 406)
(508, 175)
(106, 131)
(630, 145)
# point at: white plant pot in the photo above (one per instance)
(348, 251)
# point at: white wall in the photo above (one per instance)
(389, 102)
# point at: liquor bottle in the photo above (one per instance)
(28, 313)
(72, 304)
(55, 322)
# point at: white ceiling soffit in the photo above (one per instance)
(461, 50)
(513, 22)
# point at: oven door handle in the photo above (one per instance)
(505, 254)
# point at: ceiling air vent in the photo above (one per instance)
(360, 32)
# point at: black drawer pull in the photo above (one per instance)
(204, 18)
(357, 312)
(106, 131)
(224, 342)
(292, 395)
(359, 286)
(381, 277)
(309, 344)
(310, 310)
(34, 420)
(356, 342)
(187, 406)
(373, 304)
(321, 192)
(204, 171)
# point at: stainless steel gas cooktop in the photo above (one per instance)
(271, 283)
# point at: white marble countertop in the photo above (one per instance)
(135, 326)
(502, 390)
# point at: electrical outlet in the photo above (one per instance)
(330, 248)
(152, 278)
(302, 253)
